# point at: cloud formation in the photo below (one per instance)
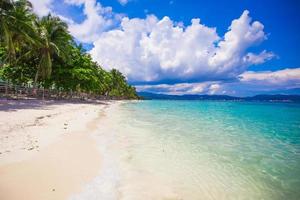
(123, 2)
(153, 50)
(42, 7)
(98, 19)
(286, 77)
(248, 83)
(182, 88)
(161, 55)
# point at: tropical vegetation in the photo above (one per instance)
(42, 53)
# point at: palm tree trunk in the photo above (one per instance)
(43, 93)
(6, 88)
(34, 91)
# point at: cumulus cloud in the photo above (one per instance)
(283, 78)
(42, 7)
(230, 52)
(192, 58)
(98, 19)
(161, 50)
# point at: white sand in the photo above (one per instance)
(46, 148)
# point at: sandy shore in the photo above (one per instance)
(46, 148)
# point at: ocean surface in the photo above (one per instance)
(199, 150)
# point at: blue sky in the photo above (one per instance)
(281, 19)
(237, 47)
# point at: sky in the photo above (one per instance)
(239, 48)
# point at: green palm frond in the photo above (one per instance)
(54, 36)
(54, 48)
(15, 23)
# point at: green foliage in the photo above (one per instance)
(41, 52)
(16, 26)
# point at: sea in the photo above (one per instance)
(194, 150)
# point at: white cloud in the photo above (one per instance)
(42, 7)
(153, 50)
(258, 59)
(249, 83)
(183, 88)
(98, 19)
(285, 77)
(123, 2)
(252, 83)
(161, 50)
(230, 52)
(214, 88)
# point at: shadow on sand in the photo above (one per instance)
(14, 105)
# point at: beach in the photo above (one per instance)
(151, 150)
(144, 100)
(47, 151)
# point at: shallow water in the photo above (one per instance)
(201, 150)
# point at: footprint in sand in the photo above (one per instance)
(65, 125)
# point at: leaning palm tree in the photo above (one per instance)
(6, 18)
(54, 37)
(16, 25)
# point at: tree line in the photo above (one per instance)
(41, 52)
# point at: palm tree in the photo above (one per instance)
(119, 83)
(54, 36)
(16, 25)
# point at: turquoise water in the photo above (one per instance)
(198, 150)
(209, 150)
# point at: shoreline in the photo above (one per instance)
(47, 148)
